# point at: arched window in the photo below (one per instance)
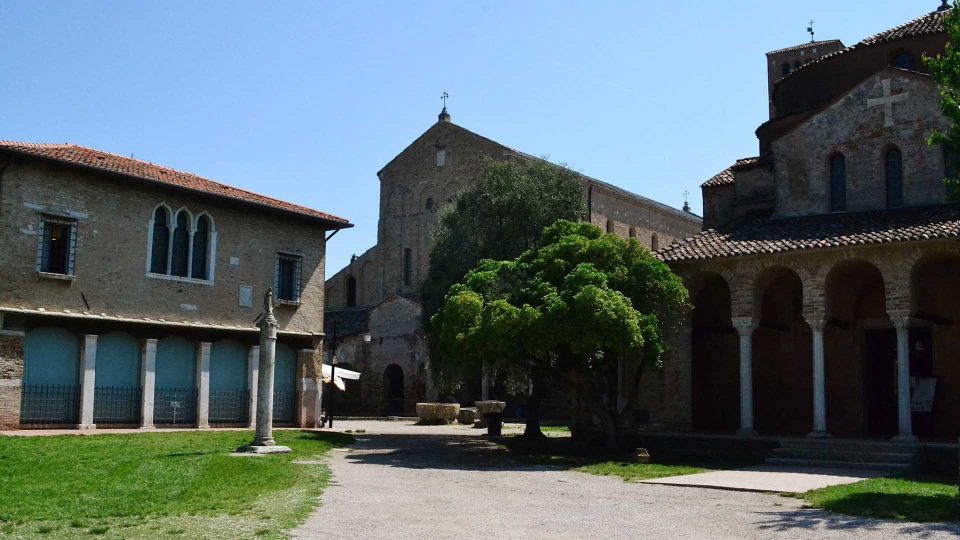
(838, 183)
(894, 178)
(904, 60)
(429, 203)
(181, 245)
(351, 287)
(654, 242)
(633, 232)
(609, 226)
(407, 267)
(160, 246)
(201, 244)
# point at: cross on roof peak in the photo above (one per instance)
(811, 32)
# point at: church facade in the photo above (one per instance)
(128, 293)
(377, 293)
(825, 282)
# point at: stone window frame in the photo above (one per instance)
(841, 205)
(192, 221)
(654, 242)
(885, 159)
(407, 267)
(71, 255)
(297, 285)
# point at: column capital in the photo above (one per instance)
(744, 325)
(901, 319)
(816, 321)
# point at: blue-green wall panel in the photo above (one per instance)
(228, 365)
(176, 363)
(118, 361)
(285, 369)
(51, 356)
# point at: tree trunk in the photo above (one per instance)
(533, 407)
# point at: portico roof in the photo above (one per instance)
(774, 236)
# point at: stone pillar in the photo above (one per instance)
(148, 377)
(902, 324)
(203, 386)
(11, 376)
(307, 394)
(817, 324)
(88, 376)
(745, 327)
(253, 378)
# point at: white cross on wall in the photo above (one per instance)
(887, 101)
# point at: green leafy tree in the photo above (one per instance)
(584, 303)
(945, 69)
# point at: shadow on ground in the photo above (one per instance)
(814, 519)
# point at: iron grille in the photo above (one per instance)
(284, 406)
(117, 405)
(229, 406)
(175, 406)
(50, 404)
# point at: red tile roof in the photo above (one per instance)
(819, 232)
(725, 177)
(806, 45)
(931, 23)
(141, 170)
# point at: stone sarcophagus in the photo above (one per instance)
(437, 413)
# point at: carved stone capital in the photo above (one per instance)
(901, 319)
(816, 321)
(745, 325)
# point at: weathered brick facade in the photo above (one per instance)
(11, 376)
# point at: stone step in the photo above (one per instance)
(849, 444)
(840, 454)
(897, 468)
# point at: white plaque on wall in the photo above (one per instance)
(246, 296)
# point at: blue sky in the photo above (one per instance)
(307, 101)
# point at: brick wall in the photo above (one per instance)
(11, 379)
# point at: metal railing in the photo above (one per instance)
(284, 406)
(229, 406)
(117, 405)
(50, 404)
(175, 406)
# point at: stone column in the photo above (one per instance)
(307, 394)
(11, 376)
(817, 324)
(88, 376)
(148, 377)
(902, 324)
(253, 378)
(485, 386)
(203, 386)
(745, 327)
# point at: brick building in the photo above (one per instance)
(377, 292)
(128, 293)
(825, 282)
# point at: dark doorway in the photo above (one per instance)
(880, 383)
(393, 389)
(715, 358)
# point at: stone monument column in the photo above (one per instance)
(263, 442)
(902, 325)
(817, 323)
(745, 327)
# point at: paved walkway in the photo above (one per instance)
(770, 478)
(402, 481)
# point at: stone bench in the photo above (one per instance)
(437, 413)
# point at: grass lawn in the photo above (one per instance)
(158, 485)
(634, 472)
(920, 500)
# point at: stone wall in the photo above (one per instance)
(11, 379)
(113, 216)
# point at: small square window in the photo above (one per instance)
(287, 282)
(57, 246)
(441, 158)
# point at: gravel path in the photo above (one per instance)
(402, 481)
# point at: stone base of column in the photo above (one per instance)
(251, 450)
(149, 428)
(85, 427)
(905, 439)
(747, 433)
(818, 435)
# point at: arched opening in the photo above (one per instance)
(351, 287)
(181, 245)
(714, 357)
(160, 243)
(229, 388)
(609, 226)
(859, 352)
(51, 371)
(935, 343)
(838, 183)
(201, 247)
(393, 389)
(904, 60)
(893, 174)
(654, 242)
(782, 365)
(285, 385)
(633, 232)
(175, 397)
(407, 267)
(117, 395)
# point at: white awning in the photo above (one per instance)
(341, 375)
